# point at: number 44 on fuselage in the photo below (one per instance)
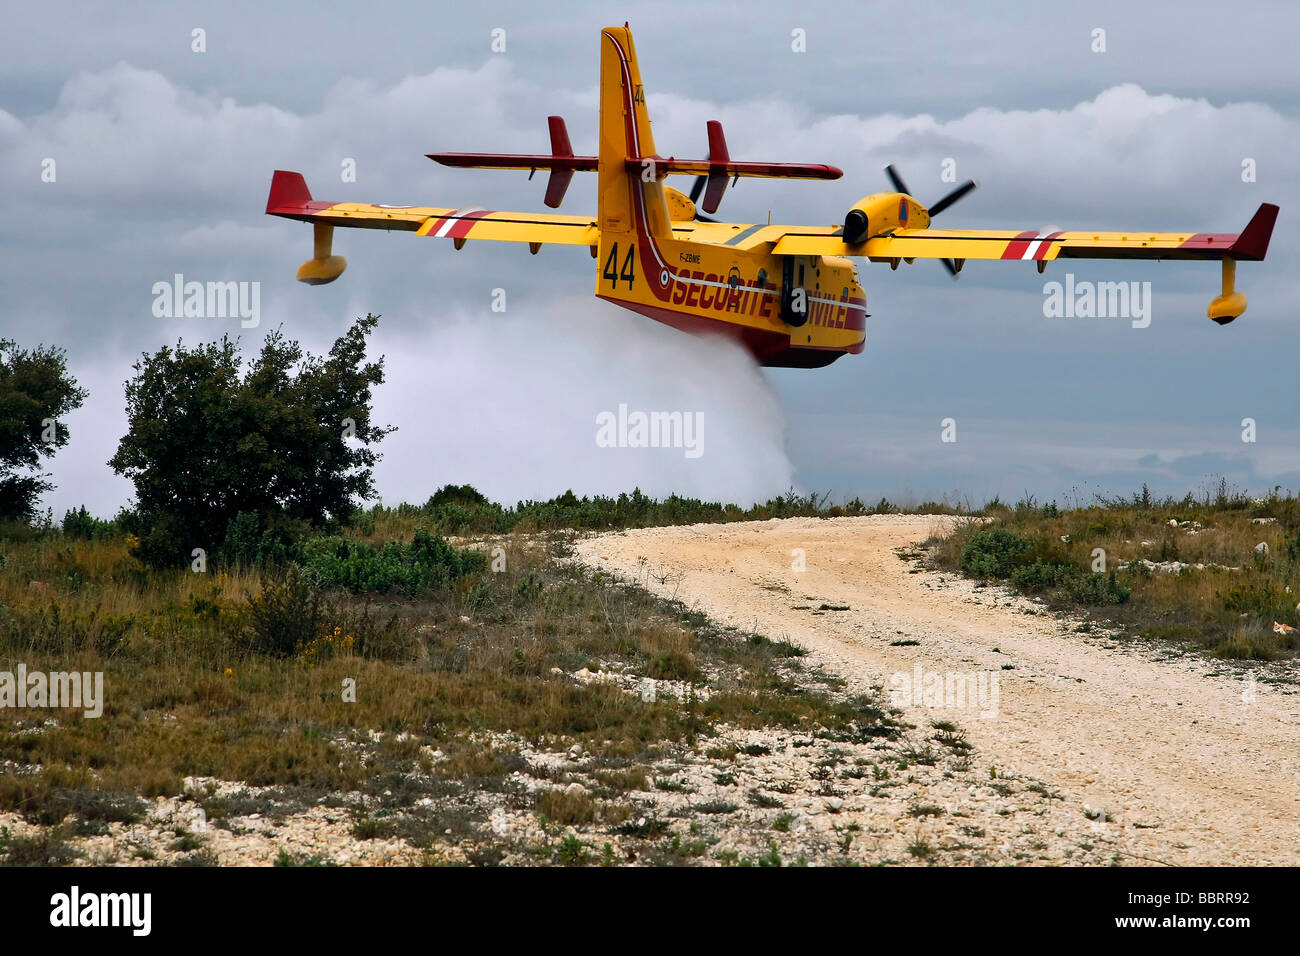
(790, 294)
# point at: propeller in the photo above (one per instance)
(716, 179)
(938, 207)
(696, 189)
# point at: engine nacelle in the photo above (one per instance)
(881, 214)
(680, 207)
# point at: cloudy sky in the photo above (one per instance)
(163, 157)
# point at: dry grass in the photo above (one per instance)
(185, 696)
(1228, 607)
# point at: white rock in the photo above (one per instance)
(1262, 547)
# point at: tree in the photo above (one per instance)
(215, 454)
(36, 392)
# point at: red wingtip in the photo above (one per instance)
(1253, 241)
(286, 187)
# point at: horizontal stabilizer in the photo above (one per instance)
(562, 163)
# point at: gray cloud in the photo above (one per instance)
(164, 158)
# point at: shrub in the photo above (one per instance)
(82, 524)
(1095, 589)
(1039, 576)
(254, 541)
(466, 495)
(427, 563)
(1263, 598)
(995, 553)
(1293, 549)
(291, 618)
(287, 614)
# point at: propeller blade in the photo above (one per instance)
(695, 198)
(952, 197)
(897, 180)
(950, 266)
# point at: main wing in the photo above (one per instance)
(1250, 244)
(291, 199)
(958, 245)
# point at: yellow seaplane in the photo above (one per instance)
(790, 294)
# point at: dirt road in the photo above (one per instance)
(1191, 764)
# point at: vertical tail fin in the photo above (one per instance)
(627, 197)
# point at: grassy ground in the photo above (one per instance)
(204, 678)
(1190, 570)
(510, 693)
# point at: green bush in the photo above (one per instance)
(82, 524)
(289, 617)
(1293, 549)
(1039, 576)
(464, 495)
(254, 541)
(1257, 597)
(287, 614)
(995, 553)
(1095, 589)
(1089, 588)
(427, 563)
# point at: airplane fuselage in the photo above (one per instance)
(788, 311)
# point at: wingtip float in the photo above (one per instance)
(790, 294)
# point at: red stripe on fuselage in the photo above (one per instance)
(759, 342)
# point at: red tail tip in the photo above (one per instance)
(286, 188)
(1253, 241)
